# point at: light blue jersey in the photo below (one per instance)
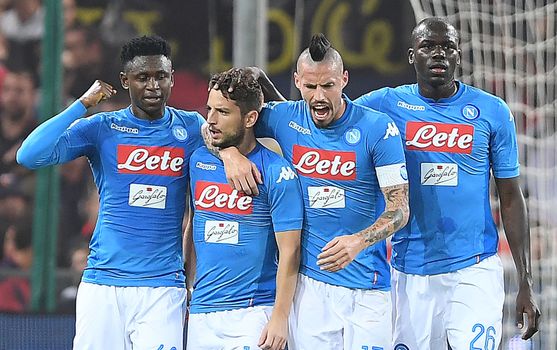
(140, 168)
(338, 166)
(234, 234)
(450, 146)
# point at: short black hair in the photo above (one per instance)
(152, 45)
(247, 93)
(431, 21)
(318, 47)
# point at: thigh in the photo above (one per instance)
(476, 307)
(159, 318)
(369, 324)
(228, 330)
(100, 322)
(418, 311)
(312, 322)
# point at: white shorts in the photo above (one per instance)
(463, 308)
(228, 330)
(326, 317)
(109, 317)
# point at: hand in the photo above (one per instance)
(525, 304)
(241, 173)
(98, 92)
(253, 71)
(274, 334)
(340, 252)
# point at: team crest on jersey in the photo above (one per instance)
(179, 133)
(352, 136)
(401, 346)
(470, 112)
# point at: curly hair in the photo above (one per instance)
(246, 93)
(144, 46)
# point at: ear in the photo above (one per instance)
(172, 78)
(124, 81)
(344, 79)
(411, 56)
(459, 58)
(297, 80)
(251, 119)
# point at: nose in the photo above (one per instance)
(153, 83)
(319, 94)
(211, 117)
(438, 51)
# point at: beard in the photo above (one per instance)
(230, 140)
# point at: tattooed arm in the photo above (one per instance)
(340, 251)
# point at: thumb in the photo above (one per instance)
(263, 337)
(519, 318)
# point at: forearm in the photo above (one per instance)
(394, 217)
(189, 253)
(37, 149)
(270, 92)
(287, 277)
(515, 223)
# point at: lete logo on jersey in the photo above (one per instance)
(439, 137)
(318, 163)
(147, 160)
(219, 197)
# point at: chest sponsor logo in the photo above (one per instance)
(439, 137)
(286, 173)
(326, 197)
(221, 232)
(439, 174)
(318, 163)
(166, 161)
(299, 128)
(147, 196)
(205, 166)
(218, 197)
(410, 107)
(124, 129)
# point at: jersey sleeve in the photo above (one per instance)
(387, 153)
(285, 197)
(503, 144)
(59, 139)
(199, 122)
(270, 117)
(372, 99)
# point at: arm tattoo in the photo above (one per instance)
(207, 139)
(393, 218)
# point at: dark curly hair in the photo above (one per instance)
(246, 90)
(144, 46)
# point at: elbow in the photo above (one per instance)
(22, 158)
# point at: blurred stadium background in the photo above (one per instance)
(52, 50)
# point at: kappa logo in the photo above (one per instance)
(204, 166)
(392, 130)
(124, 129)
(286, 173)
(298, 128)
(410, 107)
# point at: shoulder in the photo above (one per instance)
(283, 106)
(189, 117)
(485, 101)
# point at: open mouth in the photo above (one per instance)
(152, 99)
(320, 111)
(438, 68)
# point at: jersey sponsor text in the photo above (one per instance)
(147, 160)
(318, 163)
(439, 137)
(219, 197)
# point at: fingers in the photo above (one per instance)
(533, 323)
(257, 174)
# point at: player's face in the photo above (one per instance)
(18, 95)
(150, 80)
(435, 54)
(321, 86)
(226, 124)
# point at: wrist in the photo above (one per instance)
(226, 153)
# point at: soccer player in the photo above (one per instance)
(132, 293)
(448, 279)
(352, 169)
(236, 237)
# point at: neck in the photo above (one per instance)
(439, 91)
(341, 109)
(248, 144)
(141, 114)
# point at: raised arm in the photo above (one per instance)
(275, 333)
(515, 223)
(39, 148)
(341, 250)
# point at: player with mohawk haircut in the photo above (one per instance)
(351, 166)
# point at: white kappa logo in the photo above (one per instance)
(286, 173)
(392, 130)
